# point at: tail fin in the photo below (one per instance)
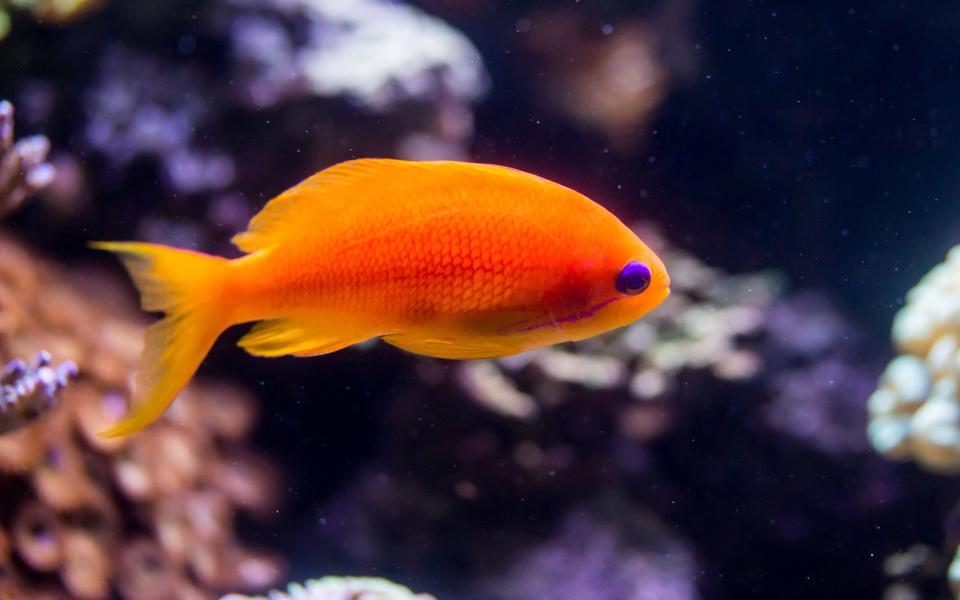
(188, 287)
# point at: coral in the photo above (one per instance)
(141, 106)
(613, 78)
(340, 588)
(609, 548)
(818, 387)
(147, 106)
(385, 57)
(152, 515)
(631, 557)
(822, 405)
(28, 391)
(917, 573)
(732, 412)
(619, 81)
(373, 52)
(953, 574)
(23, 167)
(302, 79)
(915, 411)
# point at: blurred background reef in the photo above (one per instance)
(791, 162)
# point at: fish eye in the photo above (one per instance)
(634, 278)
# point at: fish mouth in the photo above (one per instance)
(663, 296)
(653, 301)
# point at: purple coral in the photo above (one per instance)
(30, 390)
(817, 388)
(590, 558)
(142, 106)
(23, 167)
(822, 405)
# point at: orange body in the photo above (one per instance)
(453, 260)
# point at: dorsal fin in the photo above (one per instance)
(348, 188)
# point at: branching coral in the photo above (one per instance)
(340, 588)
(23, 167)
(915, 412)
(152, 515)
(28, 391)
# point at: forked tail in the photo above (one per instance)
(189, 288)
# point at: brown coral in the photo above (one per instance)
(613, 78)
(149, 516)
(38, 537)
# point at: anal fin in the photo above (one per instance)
(281, 337)
(449, 347)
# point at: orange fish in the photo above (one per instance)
(447, 259)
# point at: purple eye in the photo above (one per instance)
(634, 278)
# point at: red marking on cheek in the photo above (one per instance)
(573, 293)
(555, 323)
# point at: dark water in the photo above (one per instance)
(815, 137)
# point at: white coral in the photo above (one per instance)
(340, 588)
(378, 51)
(915, 412)
(375, 52)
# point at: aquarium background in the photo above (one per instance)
(794, 162)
